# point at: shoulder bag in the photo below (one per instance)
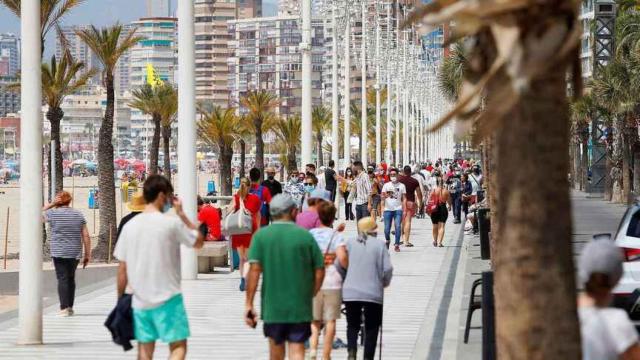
(238, 222)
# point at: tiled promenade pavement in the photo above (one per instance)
(215, 308)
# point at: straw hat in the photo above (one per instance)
(367, 225)
(136, 204)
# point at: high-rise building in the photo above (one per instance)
(211, 37)
(10, 49)
(159, 8)
(123, 68)
(587, 17)
(78, 49)
(158, 49)
(9, 98)
(265, 56)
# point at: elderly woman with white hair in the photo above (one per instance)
(368, 271)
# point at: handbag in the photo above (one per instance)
(330, 258)
(238, 222)
(432, 205)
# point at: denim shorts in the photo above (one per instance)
(167, 322)
(284, 332)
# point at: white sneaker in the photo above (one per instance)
(64, 313)
(71, 312)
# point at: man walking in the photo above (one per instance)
(363, 190)
(394, 199)
(414, 197)
(274, 186)
(262, 192)
(331, 180)
(292, 267)
(455, 189)
(149, 255)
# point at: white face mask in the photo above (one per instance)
(394, 179)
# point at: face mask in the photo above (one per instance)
(394, 179)
(271, 177)
(309, 188)
(294, 180)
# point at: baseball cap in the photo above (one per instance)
(600, 257)
(280, 204)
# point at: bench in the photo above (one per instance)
(213, 253)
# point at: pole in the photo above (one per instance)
(389, 97)
(378, 134)
(398, 86)
(335, 103)
(6, 239)
(363, 86)
(52, 170)
(347, 92)
(186, 128)
(305, 48)
(31, 191)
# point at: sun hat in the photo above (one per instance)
(367, 225)
(136, 204)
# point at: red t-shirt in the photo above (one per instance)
(210, 216)
(411, 185)
(252, 204)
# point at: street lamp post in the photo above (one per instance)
(377, 87)
(335, 103)
(363, 87)
(347, 91)
(305, 48)
(31, 192)
(389, 93)
(187, 128)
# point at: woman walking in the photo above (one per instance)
(242, 242)
(346, 187)
(69, 235)
(441, 198)
(326, 304)
(368, 271)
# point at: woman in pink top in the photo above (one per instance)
(309, 218)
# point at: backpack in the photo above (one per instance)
(264, 208)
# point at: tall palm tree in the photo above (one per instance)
(168, 110)
(243, 132)
(108, 44)
(217, 127)
(59, 79)
(321, 121)
(146, 100)
(583, 111)
(260, 105)
(51, 11)
(287, 130)
(451, 72)
(520, 54)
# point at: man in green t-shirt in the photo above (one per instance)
(293, 269)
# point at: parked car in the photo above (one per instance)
(627, 237)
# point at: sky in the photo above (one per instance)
(96, 12)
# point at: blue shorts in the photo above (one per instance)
(167, 322)
(282, 332)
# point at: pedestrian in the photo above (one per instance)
(362, 190)
(393, 198)
(331, 180)
(262, 192)
(414, 198)
(274, 186)
(242, 242)
(368, 271)
(310, 184)
(466, 191)
(149, 255)
(309, 218)
(210, 216)
(135, 205)
(69, 241)
(374, 198)
(292, 267)
(294, 187)
(346, 186)
(455, 189)
(310, 169)
(441, 199)
(326, 304)
(607, 333)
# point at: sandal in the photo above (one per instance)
(435, 244)
(408, 244)
(441, 245)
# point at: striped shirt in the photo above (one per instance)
(66, 232)
(363, 188)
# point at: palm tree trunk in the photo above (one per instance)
(617, 193)
(106, 182)
(155, 146)
(534, 276)
(55, 115)
(320, 157)
(259, 146)
(226, 154)
(636, 170)
(291, 159)
(166, 137)
(243, 157)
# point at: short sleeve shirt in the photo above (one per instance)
(411, 185)
(289, 256)
(330, 181)
(392, 194)
(329, 240)
(308, 219)
(210, 216)
(66, 232)
(606, 333)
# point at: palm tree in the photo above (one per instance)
(520, 52)
(260, 105)
(243, 132)
(108, 44)
(217, 127)
(583, 111)
(146, 100)
(452, 71)
(60, 79)
(321, 117)
(168, 110)
(51, 11)
(287, 130)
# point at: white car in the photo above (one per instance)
(627, 237)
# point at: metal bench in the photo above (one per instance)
(475, 303)
(212, 254)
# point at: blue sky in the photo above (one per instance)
(96, 12)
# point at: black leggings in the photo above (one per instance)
(348, 207)
(372, 323)
(66, 275)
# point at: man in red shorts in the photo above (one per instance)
(414, 197)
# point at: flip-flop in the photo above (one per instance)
(408, 245)
(441, 245)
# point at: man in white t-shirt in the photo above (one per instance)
(394, 198)
(149, 253)
(607, 333)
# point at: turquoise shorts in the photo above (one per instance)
(167, 322)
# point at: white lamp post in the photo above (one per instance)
(187, 187)
(377, 87)
(363, 87)
(335, 103)
(347, 91)
(389, 92)
(305, 48)
(31, 192)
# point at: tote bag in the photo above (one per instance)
(238, 222)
